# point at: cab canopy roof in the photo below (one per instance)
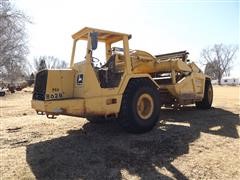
(103, 35)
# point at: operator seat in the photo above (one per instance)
(108, 76)
(110, 64)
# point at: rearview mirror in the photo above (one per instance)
(94, 40)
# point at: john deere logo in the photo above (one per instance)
(80, 79)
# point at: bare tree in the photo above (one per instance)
(211, 69)
(13, 45)
(48, 62)
(15, 70)
(218, 60)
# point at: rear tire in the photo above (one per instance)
(140, 106)
(206, 102)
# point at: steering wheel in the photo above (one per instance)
(95, 60)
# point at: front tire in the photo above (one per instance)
(206, 102)
(140, 106)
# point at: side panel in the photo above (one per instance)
(103, 105)
(86, 84)
(189, 88)
(59, 84)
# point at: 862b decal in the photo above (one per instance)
(53, 96)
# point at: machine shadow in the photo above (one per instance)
(104, 151)
(214, 121)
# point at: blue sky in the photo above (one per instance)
(157, 26)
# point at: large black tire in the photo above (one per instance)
(206, 102)
(97, 119)
(140, 106)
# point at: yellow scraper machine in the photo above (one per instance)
(130, 87)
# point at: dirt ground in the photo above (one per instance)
(185, 144)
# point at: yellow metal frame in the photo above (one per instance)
(88, 98)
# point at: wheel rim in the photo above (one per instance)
(210, 95)
(145, 106)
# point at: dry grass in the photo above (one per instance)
(188, 144)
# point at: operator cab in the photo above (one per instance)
(108, 62)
